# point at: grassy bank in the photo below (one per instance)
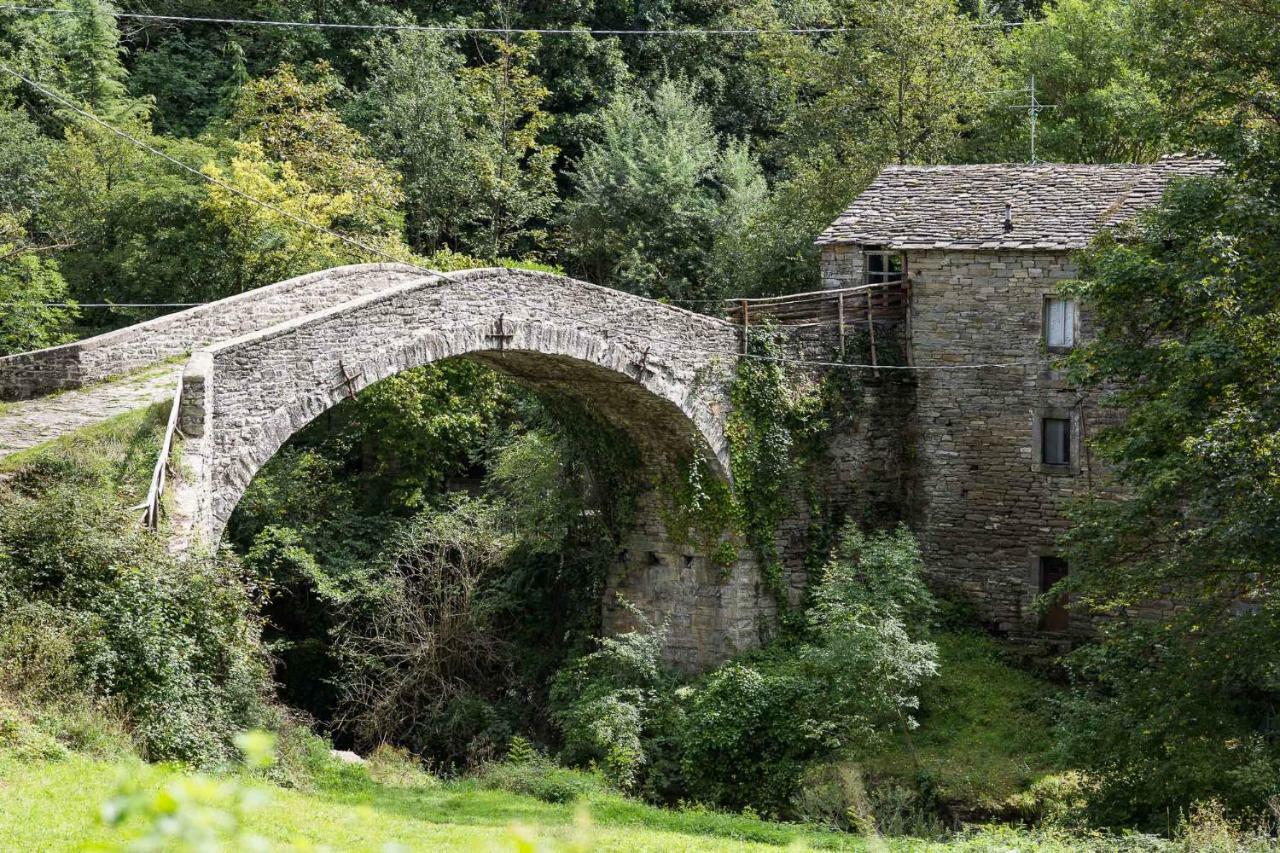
(55, 805)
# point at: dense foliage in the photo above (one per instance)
(1180, 705)
(681, 167)
(743, 735)
(94, 614)
(686, 168)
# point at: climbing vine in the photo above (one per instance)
(778, 428)
(699, 510)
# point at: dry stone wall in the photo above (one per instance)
(988, 509)
(984, 506)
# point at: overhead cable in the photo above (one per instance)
(466, 29)
(442, 276)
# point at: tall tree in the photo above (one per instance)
(653, 195)
(1180, 705)
(513, 167)
(292, 121)
(468, 139)
(1086, 58)
(418, 117)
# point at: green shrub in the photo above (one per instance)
(20, 738)
(834, 794)
(1166, 714)
(540, 777)
(399, 768)
(93, 610)
(752, 728)
(603, 703)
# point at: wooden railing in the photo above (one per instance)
(841, 309)
(152, 506)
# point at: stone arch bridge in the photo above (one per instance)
(264, 364)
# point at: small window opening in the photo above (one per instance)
(1056, 617)
(1059, 323)
(1055, 439)
(884, 267)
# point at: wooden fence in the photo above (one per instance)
(840, 310)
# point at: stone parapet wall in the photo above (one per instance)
(123, 351)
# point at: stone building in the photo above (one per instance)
(999, 440)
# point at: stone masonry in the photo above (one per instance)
(952, 446)
(268, 362)
(983, 249)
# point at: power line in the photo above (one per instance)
(103, 304)
(466, 30)
(440, 276)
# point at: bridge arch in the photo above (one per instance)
(659, 373)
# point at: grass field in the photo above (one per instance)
(55, 805)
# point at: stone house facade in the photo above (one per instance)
(999, 438)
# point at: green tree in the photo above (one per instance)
(904, 85)
(28, 280)
(1188, 316)
(418, 117)
(24, 162)
(1086, 58)
(752, 727)
(655, 193)
(1179, 704)
(468, 140)
(79, 54)
(292, 122)
(511, 165)
(95, 73)
(132, 221)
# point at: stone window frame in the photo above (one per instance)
(1038, 464)
(884, 276)
(1044, 321)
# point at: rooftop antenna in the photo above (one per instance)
(1033, 108)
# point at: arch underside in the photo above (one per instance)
(662, 433)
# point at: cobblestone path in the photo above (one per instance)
(33, 422)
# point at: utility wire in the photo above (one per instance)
(463, 29)
(441, 276)
(104, 304)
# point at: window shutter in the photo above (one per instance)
(1060, 323)
(1055, 437)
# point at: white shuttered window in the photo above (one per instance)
(1060, 323)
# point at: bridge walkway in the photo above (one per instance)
(29, 423)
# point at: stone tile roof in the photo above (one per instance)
(1053, 205)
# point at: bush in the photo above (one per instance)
(1164, 715)
(603, 703)
(752, 728)
(399, 768)
(529, 772)
(20, 738)
(92, 610)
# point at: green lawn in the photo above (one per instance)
(984, 736)
(54, 805)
